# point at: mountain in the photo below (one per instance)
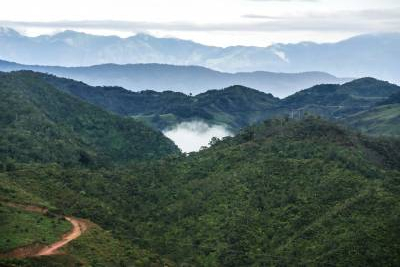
(359, 56)
(280, 193)
(186, 79)
(393, 99)
(236, 106)
(42, 124)
(336, 101)
(381, 119)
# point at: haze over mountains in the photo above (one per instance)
(186, 79)
(356, 57)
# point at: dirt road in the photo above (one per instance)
(79, 226)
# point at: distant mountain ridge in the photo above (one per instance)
(366, 55)
(238, 106)
(336, 101)
(186, 79)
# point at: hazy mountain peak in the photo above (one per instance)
(359, 56)
(144, 36)
(8, 32)
(370, 82)
(70, 33)
(375, 36)
(186, 79)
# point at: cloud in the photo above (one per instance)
(348, 15)
(256, 16)
(346, 20)
(339, 21)
(191, 136)
(285, 0)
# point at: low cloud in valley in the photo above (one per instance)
(191, 136)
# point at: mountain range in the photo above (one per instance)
(237, 106)
(186, 79)
(359, 56)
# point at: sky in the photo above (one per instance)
(211, 22)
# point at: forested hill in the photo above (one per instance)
(42, 124)
(238, 106)
(381, 119)
(281, 193)
(334, 100)
(393, 99)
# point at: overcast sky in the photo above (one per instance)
(213, 22)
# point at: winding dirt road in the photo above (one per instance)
(79, 226)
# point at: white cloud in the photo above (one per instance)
(191, 136)
(221, 22)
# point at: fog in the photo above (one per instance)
(191, 136)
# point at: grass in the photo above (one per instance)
(97, 247)
(21, 228)
(382, 120)
(11, 192)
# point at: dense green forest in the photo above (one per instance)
(42, 124)
(238, 106)
(284, 192)
(381, 119)
(393, 99)
(235, 106)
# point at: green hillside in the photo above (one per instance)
(20, 228)
(237, 106)
(280, 193)
(393, 99)
(339, 101)
(41, 124)
(379, 120)
(283, 193)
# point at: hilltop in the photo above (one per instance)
(42, 124)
